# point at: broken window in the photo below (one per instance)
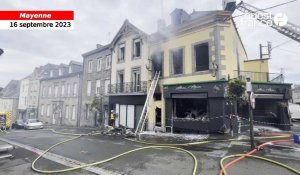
(157, 62)
(189, 108)
(202, 57)
(177, 60)
(136, 48)
(121, 54)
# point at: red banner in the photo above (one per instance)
(36, 15)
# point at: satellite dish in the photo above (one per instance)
(1, 51)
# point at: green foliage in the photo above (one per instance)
(236, 89)
(97, 104)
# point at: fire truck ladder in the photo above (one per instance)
(290, 30)
(146, 107)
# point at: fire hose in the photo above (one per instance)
(153, 146)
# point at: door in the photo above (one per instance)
(136, 80)
(137, 114)
(123, 115)
(118, 114)
(130, 116)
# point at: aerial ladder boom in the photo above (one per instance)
(289, 29)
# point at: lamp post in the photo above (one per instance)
(250, 96)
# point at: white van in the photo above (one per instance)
(294, 110)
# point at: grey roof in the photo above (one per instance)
(40, 72)
(75, 62)
(63, 76)
(11, 90)
(100, 49)
(296, 86)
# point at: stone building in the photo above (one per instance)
(95, 81)
(60, 95)
(29, 91)
(9, 98)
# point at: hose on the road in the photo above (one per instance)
(260, 158)
(107, 160)
(152, 146)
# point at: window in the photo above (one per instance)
(136, 80)
(106, 83)
(70, 69)
(48, 110)
(177, 61)
(49, 91)
(88, 88)
(73, 112)
(90, 67)
(67, 112)
(98, 88)
(69, 90)
(157, 62)
(51, 73)
(63, 90)
(75, 90)
(44, 92)
(108, 61)
(42, 110)
(55, 91)
(201, 57)
(121, 53)
(120, 81)
(136, 48)
(99, 64)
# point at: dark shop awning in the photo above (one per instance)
(269, 96)
(190, 95)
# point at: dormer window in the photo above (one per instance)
(121, 53)
(136, 48)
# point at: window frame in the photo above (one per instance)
(194, 61)
(135, 40)
(90, 66)
(99, 64)
(98, 80)
(88, 88)
(171, 65)
(108, 61)
(121, 45)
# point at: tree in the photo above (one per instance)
(96, 106)
(236, 90)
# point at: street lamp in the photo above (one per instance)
(250, 100)
(1, 51)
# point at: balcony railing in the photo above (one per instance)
(260, 76)
(129, 87)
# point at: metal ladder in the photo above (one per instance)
(146, 107)
(290, 30)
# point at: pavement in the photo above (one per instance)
(87, 149)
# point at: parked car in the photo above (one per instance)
(33, 124)
(294, 110)
(18, 124)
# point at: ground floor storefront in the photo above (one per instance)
(205, 108)
(128, 109)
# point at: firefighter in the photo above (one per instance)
(112, 118)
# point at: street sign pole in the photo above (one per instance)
(250, 96)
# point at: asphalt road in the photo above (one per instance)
(88, 149)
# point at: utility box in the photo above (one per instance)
(297, 138)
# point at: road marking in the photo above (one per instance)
(61, 159)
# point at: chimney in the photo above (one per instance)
(98, 46)
(161, 24)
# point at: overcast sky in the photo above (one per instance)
(95, 19)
